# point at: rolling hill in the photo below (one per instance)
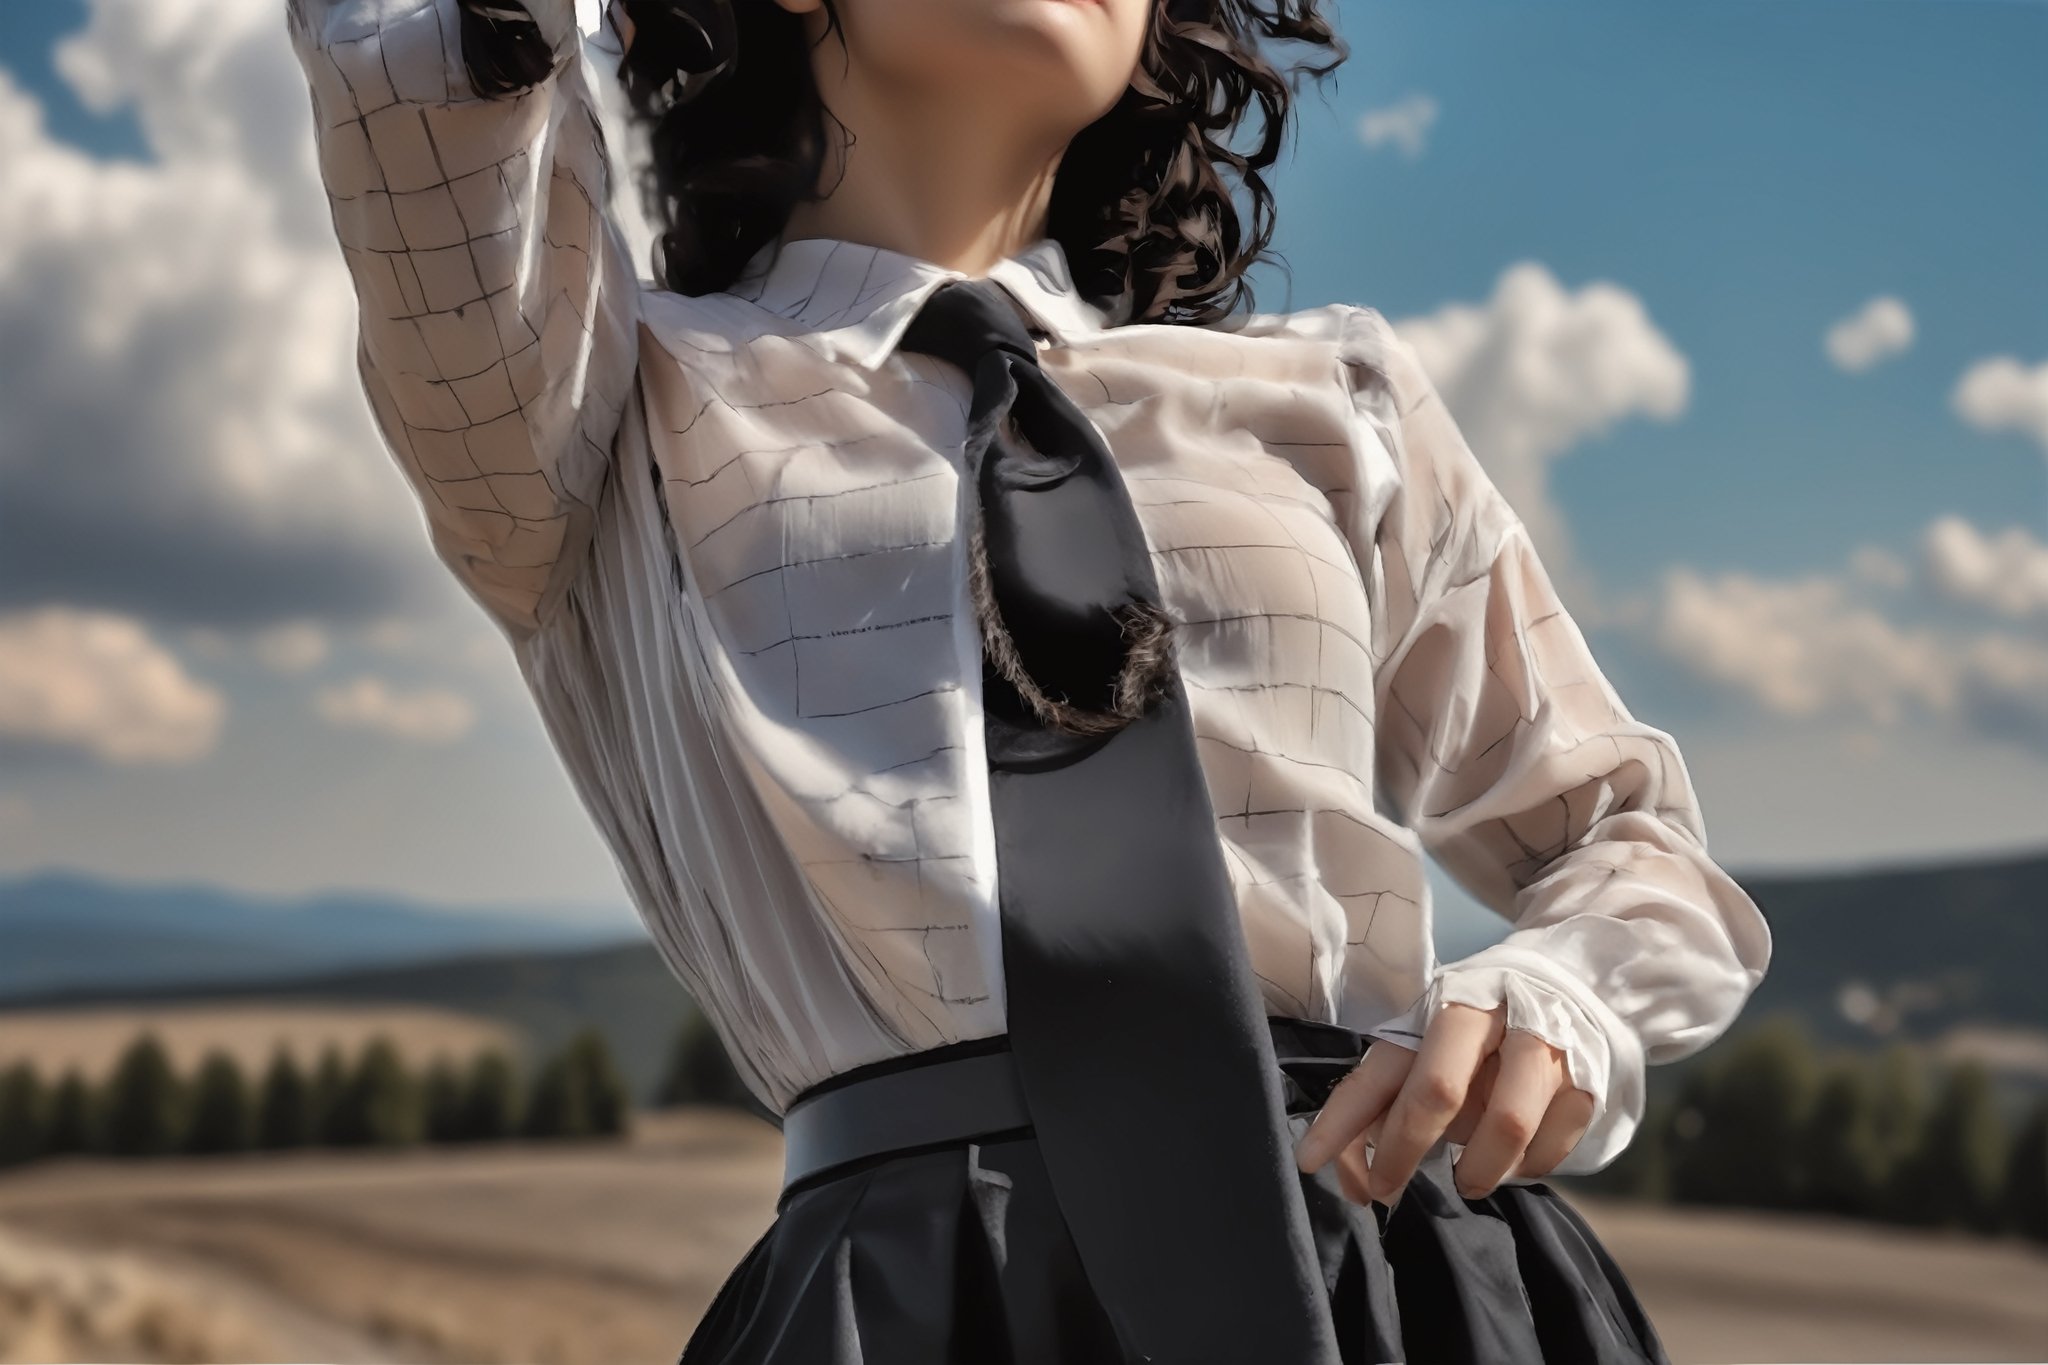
(62, 930)
(1923, 948)
(1912, 949)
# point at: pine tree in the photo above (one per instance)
(1751, 1111)
(144, 1101)
(442, 1102)
(1648, 1153)
(324, 1103)
(607, 1099)
(491, 1108)
(1840, 1152)
(222, 1119)
(285, 1117)
(560, 1107)
(1898, 1112)
(72, 1126)
(2026, 1176)
(24, 1115)
(380, 1104)
(1952, 1175)
(699, 1069)
(1642, 1170)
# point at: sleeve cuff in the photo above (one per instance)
(1601, 1056)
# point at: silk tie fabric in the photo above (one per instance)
(1122, 949)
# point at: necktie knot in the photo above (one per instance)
(1058, 563)
(963, 320)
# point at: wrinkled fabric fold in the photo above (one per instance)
(961, 1256)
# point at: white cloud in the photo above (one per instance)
(1816, 646)
(429, 715)
(1880, 567)
(2006, 573)
(2002, 686)
(1403, 125)
(1799, 648)
(97, 682)
(2001, 394)
(185, 434)
(292, 647)
(1536, 370)
(1879, 330)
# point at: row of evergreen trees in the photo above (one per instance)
(1770, 1121)
(700, 1071)
(145, 1108)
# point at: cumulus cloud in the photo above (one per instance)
(1880, 567)
(2006, 573)
(1403, 125)
(1824, 645)
(1536, 370)
(185, 437)
(2002, 690)
(292, 647)
(428, 715)
(97, 682)
(2001, 394)
(1799, 647)
(1879, 330)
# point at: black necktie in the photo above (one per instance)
(1135, 1022)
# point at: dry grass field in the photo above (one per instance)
(605, 1255)
(249, 1031)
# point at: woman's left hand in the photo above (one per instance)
(1505, 1094)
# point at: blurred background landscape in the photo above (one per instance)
(326, 1032)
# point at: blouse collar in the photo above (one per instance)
(856, 301)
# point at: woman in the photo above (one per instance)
(952, 605)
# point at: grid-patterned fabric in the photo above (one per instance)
(738, 592)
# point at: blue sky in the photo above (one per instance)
(1754, 169)
(28, 36)
(1754, 565)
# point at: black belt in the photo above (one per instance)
(963, 1092)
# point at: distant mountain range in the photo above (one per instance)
(1911, 950)
(1858, 956)
(63, 930)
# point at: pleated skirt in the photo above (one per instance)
(959, 1256)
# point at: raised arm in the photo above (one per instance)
(467, 172)
(1502, 745)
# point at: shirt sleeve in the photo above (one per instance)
(464, 161)
(1502, 745)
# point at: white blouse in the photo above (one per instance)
(724, 536)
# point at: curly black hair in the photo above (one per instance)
(1142, 202)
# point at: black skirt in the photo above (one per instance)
(960, 1256)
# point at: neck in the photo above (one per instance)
(929, 174)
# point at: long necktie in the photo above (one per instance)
(1135, 1022)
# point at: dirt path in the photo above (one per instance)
(599, 1255)
(1731, 1286)
(607, 1254)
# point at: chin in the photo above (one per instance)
(1076, 54)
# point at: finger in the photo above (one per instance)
(1531, 1072)
(1476, 1099)
(1353, 1102)
(1566, 1121)
(1452, 1047)
(1353, 1173)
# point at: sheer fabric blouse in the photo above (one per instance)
(724, 537)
